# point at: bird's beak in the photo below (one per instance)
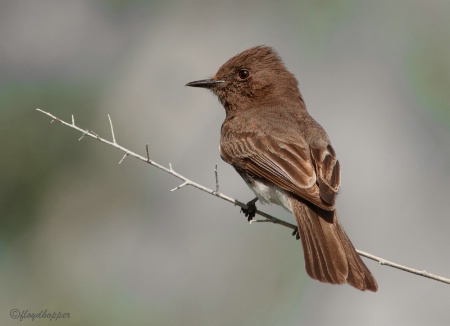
(205, 83)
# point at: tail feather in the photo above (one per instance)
(329, 254)
(316, 264)
(359, 275)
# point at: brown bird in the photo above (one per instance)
(286, 158)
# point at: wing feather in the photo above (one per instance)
(310, 173)
(328, 172)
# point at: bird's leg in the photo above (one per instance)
(250, 209)
(296, 234)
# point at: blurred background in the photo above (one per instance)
(111, 245)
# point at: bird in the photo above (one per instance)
(286, 158)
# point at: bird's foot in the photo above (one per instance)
(296, 234)
(250, 209)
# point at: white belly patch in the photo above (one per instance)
(271, 194)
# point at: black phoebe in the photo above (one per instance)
(286, 158)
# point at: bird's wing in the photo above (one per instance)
(328, 172)
(312, 174)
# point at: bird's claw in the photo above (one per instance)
(250, 209)
(296, 234)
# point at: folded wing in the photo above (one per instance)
(311, 173)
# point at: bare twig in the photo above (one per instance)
(188, 182)
(423, 273)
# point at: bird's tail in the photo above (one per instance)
(329, 254)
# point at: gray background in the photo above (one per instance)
(111, 245)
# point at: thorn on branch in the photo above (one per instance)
(148, 155)
(216, 173)
(82, 136)
(180, 186)
(112, 130)
(73, 120)
(170, 167)
(124, 157)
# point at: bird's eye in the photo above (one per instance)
(243, 74)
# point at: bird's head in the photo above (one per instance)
(252, 78)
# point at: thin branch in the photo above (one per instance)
(188, 182)
(423, 273)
